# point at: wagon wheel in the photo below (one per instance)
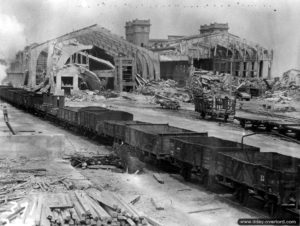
(245, 196)
(254, 126)
(268, 127)
(205, 180)
(272, 208)
(186, 172)
(242, 123)
(282, 130)
(203, 114)
(238, 193)
(226, 118)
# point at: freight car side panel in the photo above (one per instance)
(199, 151)
(111, 115)
(155, 138)
(69, 115)
(187, 153)
(117, 129)
(272, 173)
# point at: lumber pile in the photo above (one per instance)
(95, 161)
(79, 207)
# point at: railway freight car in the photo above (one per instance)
(271, 177)
(90, 117)
(199, 154)
(117, 129)
(68, 117)
(154, 139)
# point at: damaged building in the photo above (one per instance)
(94, 58)
(214, 49)
(89, 58)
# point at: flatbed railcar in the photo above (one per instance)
(268, 123)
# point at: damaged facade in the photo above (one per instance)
(94, 58)
(213, 49)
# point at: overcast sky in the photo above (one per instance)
(271, 23)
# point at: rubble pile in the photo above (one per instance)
(282, 91)
(91, 96)
(207, 83)
(164, 90)
(95, 161)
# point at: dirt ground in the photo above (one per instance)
(175, 196)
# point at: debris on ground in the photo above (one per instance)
(135, 200)
(129, 159)
(168, 103)
(156, 205)
(165, 88)
(32, 196)
(158, 178)
(109, 161)
(91, 96)
(208, 83)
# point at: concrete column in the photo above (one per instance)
(120, 75)
(265, 70)
(241, 69)
(75, 82)
(249, 69)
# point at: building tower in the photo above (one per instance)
(212, 28)
(137, 32)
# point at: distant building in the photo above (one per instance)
(213, 49)
(137, 32)
(212, 28)
(292, 76)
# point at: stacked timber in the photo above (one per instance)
(89, 207)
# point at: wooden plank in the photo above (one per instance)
(78, 208)
(134, 201)
(87, 204)
(157, 207)
(38, 212)
(204, 210)
(125, 206)
(152, 221)
(102, 197)
(105, 167)
(59, 201)
(158, 178)
(100, 212)
(87, 208)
